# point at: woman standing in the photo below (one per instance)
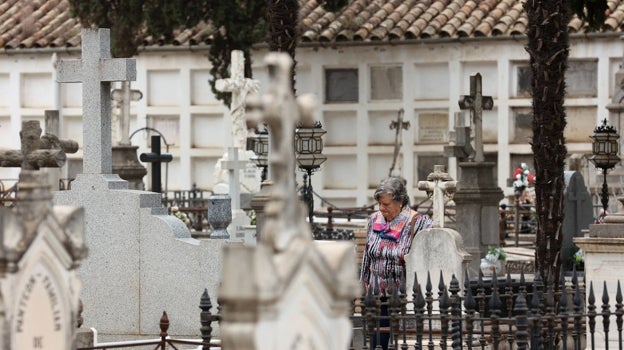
(389, 237)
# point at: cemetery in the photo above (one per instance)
(247, 251)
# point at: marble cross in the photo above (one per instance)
(233, 165)
(477, 103)
(399, 125)
(123, 97)
(439, 183)
(96, 70)
(239, 86)
(37, 151)
(284, 214)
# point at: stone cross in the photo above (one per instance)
(460, 146)
(239, 86)
(123, 97)
(439, 183)
(233, 165)
(284, 214)
(37, 151)
(155, 157)
(477, 103)
(96, 70)
(399, 125)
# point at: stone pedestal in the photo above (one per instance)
(604, 263)
(477, 200)
(127, 166)
(258, 202)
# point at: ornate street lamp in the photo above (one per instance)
(259, 144)
(605, 148)
(308, 148)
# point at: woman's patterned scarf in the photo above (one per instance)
(392, 230)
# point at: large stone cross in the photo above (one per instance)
(438, 183)
(37, 151)
(399, 125)
(284, 214)
(477, 103)
(123, 97)
(96, 70)
(239, 86)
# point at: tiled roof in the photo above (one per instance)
(46, 23)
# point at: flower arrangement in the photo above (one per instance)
(579, 257)
(175, 211)
(523, 178)
(495, 253)
(252, 217)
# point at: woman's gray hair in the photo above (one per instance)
(395, 187)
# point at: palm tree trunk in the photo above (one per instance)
(548, 48)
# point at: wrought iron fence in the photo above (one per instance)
(494, 314)
(499, 313)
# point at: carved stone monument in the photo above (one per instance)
(438, 251)
(478, 196)
(37, 151)
(288, 291)
(438, 184)
(229, 178)
(42, 247)
(128, 281)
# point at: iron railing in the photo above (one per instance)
(499, 313)
(493, 314)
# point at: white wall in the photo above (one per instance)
(359, 144)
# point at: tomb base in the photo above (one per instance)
(477, 203)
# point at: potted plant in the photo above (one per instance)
(494, 260)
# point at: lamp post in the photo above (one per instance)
(308, 148)
(259, 144)
(605, 148)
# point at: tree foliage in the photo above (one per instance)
(238, 25)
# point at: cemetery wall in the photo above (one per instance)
(426, 80)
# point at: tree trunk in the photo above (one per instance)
(282, 20)
(548, 48)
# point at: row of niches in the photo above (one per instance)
(378, 165)
(165, 88)
(206, 131)
(342, 85)
(433, 126)
(202, 173)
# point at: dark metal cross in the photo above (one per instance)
(398, 124)
(477, 103)
(155, 157)
(37, 151)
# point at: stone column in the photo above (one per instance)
(477, 199)
(604, 263)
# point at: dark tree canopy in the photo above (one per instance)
(238, 25)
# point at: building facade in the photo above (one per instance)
(361, 87)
